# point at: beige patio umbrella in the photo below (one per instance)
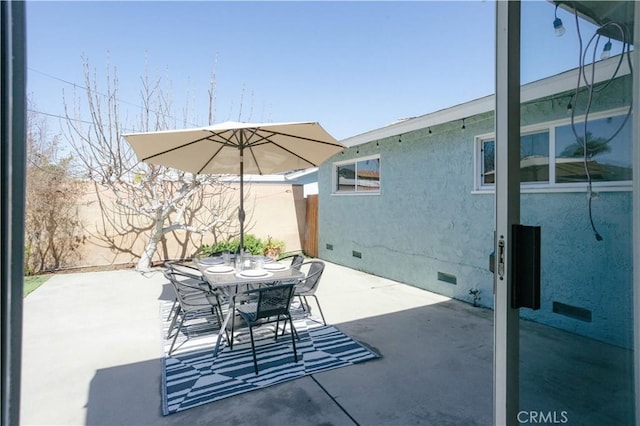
(237, 148)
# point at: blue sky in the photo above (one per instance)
(352, 66)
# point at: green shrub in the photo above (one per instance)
(252, 244)
(208, 250)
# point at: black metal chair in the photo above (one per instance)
(195, 285)
(296, 259)
(308, 285)
(271, 306)
(193, 302)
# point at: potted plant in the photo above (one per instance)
(273, 248)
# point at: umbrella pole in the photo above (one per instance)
(241, 210)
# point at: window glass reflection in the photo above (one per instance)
(488, 162)
(534, 157)
(608, 154)
(359, 175)
(369, 175)
(346, 177)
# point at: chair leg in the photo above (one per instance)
(302, 303)
(175, 302)
(233, 325)
(319, 308)
(214, 312)
(177, 333)
(173, 321)
(218, 309)
(278, 326)
(253, 350)
(293, 339)
(284, 329)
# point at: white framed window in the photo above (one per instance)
(552, 155)
(357, 176)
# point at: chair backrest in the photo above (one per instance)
(312, 279)
(297, 261)
(184, 268)
(273, 300)
(171, 276)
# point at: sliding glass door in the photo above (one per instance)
(566, 154)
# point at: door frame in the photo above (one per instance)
(636, 211)
(507, 205)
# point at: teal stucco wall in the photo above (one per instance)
(428, 220)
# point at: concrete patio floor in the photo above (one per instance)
(92, 349)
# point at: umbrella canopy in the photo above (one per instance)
(237, 148)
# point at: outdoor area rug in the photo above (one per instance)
(191, 376)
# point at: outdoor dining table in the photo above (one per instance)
(232, 281)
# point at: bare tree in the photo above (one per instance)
(53, 232)
(139, 200)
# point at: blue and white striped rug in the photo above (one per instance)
(191, 376)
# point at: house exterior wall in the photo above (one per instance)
(425, 219)
(429, 225)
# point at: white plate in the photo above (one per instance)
(211, 260)
(275, 266)
(220, 269)
(254, 273)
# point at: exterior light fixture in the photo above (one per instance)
(430, 130)
(463, 126)
(557, 24)
(606, 51)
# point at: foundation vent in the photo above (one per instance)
(447, 278)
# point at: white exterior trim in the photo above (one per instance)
(355, 160)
